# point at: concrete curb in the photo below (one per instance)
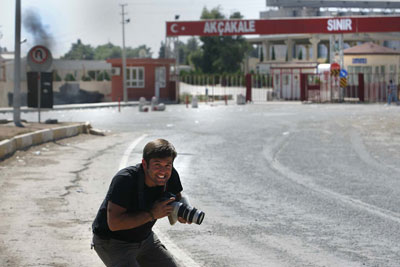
(73, 106)
(20, 142)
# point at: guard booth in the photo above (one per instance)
(46, 92)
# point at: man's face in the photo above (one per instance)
(158, 171)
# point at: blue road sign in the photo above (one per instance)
(343, 73)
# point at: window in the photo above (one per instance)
(367, 70)
(382, 69)
(116, 71)
(161, 76)
(392, 68)
(392, 74)
(135, 77)
(382, 76)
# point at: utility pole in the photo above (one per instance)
(124, 21)
(176, 64)
(17, 66)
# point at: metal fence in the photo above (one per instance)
(216, 87)
(218, 92)
(317, 87)
(359, 87)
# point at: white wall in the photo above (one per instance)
(258, 94)
(103, 87)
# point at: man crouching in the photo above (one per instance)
(122, 229)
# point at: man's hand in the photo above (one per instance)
(162, 209)
(182, 220)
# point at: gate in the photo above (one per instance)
(320, 87)
(326, 88)
(369, 87)
(310, 87)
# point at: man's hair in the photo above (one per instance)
(159, 148)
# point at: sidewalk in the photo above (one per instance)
(36, 134)
(14, 138)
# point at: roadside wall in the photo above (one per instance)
(103, 87)
(218, 91)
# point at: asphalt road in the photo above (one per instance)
(282, 184)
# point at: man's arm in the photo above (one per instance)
(119, 219)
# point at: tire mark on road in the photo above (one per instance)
(271, 154)
(361, 150)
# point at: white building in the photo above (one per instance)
(86, 74)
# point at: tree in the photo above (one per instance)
(79, 51)
(220, 54)
(69, 77)
(191, 47)
(214, 13)
(184, 50)
(141, 51)
(196, 59)
(102, 52)
(107, 51)
(180, 48)
(192, 44)
(161, 52)
(103, 76)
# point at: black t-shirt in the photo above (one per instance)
(123, 191)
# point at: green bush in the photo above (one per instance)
(69, 78)
(86, 78)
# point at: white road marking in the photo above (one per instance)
(124, 161)
(179, 254)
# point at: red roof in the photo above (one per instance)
(370, 49)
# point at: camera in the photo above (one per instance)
(183, 209)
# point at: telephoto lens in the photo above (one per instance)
(183, 209)
(189, 213)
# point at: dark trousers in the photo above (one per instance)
(149, 252)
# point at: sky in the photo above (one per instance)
(98, 22)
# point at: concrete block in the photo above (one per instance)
(58, 133)
(7, 147)
(23, 141)
(47, 135)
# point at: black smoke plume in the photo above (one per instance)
(33, 24)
